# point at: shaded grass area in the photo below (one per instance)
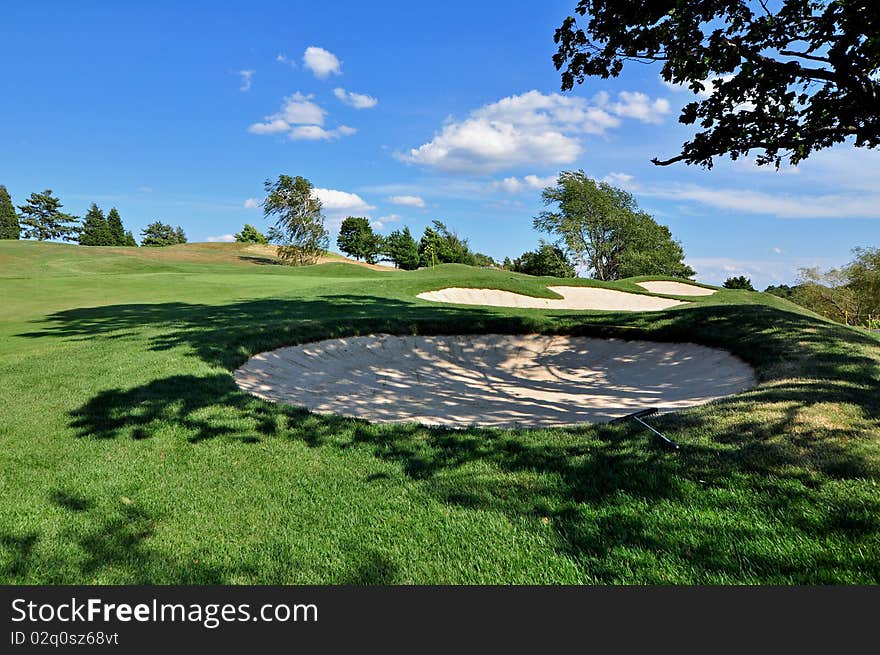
(130, 456)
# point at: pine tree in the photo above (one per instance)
(117, 232)
(42, 220)
(95, 230)
(9, 228)
(129, 240)
(161, 234)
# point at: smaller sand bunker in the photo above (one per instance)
(492, 380)
(572, 298)
(676, 288)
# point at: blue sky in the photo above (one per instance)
(399, 111)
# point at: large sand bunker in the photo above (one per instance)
(675, 288)
(572, 298)
(492, 380)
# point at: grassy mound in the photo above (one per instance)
(127, 455)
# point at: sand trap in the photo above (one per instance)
(572, 298)
(676, 288)
(492, 380)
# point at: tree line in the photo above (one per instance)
(40, 218)
(597, 227)
(849, 294)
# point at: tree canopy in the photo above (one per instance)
(849, 294)
(95, 229)
(738, 282)
(117, 232)
(42, 219)
(299, 221)
(158, 234)
(357, 238)
(548, 260)
(603, 229)
(9, 227)
(441, 246)
(402, 249)
(782, 78)
(250, 234)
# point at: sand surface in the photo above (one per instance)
(572, 298)
(676, 288)
(492, 380)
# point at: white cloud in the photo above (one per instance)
(318, 133)
(283, 59)
(274, 126)
(801, 205)
(621, 180)
(321, 62)
(531, 128)
(337, 203)
(246, 79)
(251, 203)
(356, 100)
(302, 119)
(777, 250)
(634, 104)
(223, 238)
(527, 183)
(407, 201)
(145, 189)
(382, 221)
(297, 109)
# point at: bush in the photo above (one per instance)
(739, 282)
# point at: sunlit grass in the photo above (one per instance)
(127, 454)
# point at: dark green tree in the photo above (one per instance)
(299, 221)
(117, 232)
(738, 282)
(159, 234)
(547, 260)
(651, 250)
(484, 260)
(95, 230)
(357, 238)
(781, 290)
(603, 229)
(129, 240)
(782, 78)
(402, 249)
(250, 234)
(41, 218)
(439, 245)
(9, 228)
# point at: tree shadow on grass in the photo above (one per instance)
(615, 504)
(112, 545)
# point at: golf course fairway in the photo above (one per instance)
(128, 455)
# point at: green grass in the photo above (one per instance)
(127, 455)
